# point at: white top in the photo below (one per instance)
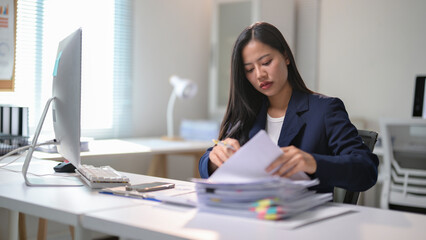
(273, 127)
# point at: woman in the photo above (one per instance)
(313, 131)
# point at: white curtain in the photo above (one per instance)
(106, 61)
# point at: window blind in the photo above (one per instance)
(106, 61)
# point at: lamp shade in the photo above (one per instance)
(182, 88)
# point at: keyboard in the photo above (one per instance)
(101, 177)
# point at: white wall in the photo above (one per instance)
(280, 13)
(370, 53)
(306, 51)
(170, 37)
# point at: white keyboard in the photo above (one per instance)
(101, 177)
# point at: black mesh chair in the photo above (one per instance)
(369, 138)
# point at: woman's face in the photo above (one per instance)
(265, 68)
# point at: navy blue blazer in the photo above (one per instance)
(320, 125)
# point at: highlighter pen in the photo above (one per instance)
(223, 144)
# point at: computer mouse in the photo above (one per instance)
(64, 167)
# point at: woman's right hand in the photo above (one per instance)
(220, 153)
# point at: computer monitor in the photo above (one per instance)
(66, 89)
(66, 99)
(419, 106)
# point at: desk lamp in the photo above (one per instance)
(182, 88)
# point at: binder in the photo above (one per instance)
(14, 120)
(5, 120)
(24, 122)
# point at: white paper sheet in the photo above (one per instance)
(250, 161)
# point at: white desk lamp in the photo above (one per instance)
(182, 88)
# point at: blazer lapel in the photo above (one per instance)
(293, 121)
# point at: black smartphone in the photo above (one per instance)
(151, 186)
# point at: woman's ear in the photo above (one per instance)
(287, 61)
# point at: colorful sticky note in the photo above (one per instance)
(55, 69)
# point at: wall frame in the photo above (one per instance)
(230, 17)
(8, 11)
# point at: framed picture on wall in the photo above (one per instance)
(7, 44)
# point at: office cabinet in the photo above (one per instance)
(404, 160)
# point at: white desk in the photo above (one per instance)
(156, 147)
(88, 210)
(159, 221)
(61, 204)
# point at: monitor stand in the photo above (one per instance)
(54, 181)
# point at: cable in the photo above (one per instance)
(4, 165)
(24, 148)
(27, 147)
(34, 174)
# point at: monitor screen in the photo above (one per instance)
(419, 106)
(66, 104)
(66, 89)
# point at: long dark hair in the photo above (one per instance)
(244, 100)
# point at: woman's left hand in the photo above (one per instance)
(293, 160)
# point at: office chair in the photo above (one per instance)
(369, 138)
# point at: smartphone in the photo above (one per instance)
(149, 187)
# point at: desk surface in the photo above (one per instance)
(135, 218)
(134, 146)
(160, 221)
(61, 204)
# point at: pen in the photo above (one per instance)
(223, 144)
(151, 199)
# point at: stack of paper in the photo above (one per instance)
(241, 186)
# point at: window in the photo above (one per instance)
(106, 73)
